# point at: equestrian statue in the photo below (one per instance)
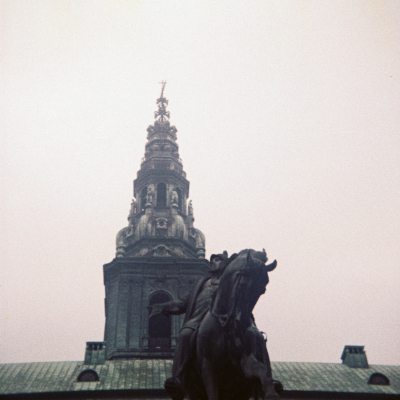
(220, 353)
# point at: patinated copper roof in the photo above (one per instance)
(149, 375)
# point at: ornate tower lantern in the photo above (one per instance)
(159, 254)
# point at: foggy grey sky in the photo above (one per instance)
(288, 126)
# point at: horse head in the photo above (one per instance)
(255, 262)
(242, 283)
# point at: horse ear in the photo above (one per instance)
(265, 256)
(272, 266)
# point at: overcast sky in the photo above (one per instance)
(288, 118)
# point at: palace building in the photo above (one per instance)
(160, 255)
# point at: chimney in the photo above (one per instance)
(95, 353)
(354, 357)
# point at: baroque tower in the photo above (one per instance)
(159, 255)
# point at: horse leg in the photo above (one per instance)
(208, 375)
(253, 368)
(255, 362)
(268, 385)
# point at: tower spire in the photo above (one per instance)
(159, 255)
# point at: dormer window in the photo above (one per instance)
(88, 375)
(378, 379)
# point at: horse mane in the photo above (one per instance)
(260, 255)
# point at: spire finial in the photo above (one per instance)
(162, 114)
(163, 83)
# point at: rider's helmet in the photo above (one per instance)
(224, 257)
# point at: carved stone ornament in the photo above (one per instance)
(124, 237)
(174, 197)
(142, 252)
(190, 208)
(150, 195)
(192, 235)
(129, 234)
(161, 227)
(133, 209)
(161, 223)
(150, 131)
(161, 251)
(172, 132)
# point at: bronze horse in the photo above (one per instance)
(231, 361)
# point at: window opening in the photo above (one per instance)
(161, 195)
(159, 325)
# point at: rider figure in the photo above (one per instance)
(196, 306)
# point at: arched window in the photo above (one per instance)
(159, 325)
(143, 198)
(179, 198)
(161, 195)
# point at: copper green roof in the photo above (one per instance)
(339, 378)
(150, 374)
